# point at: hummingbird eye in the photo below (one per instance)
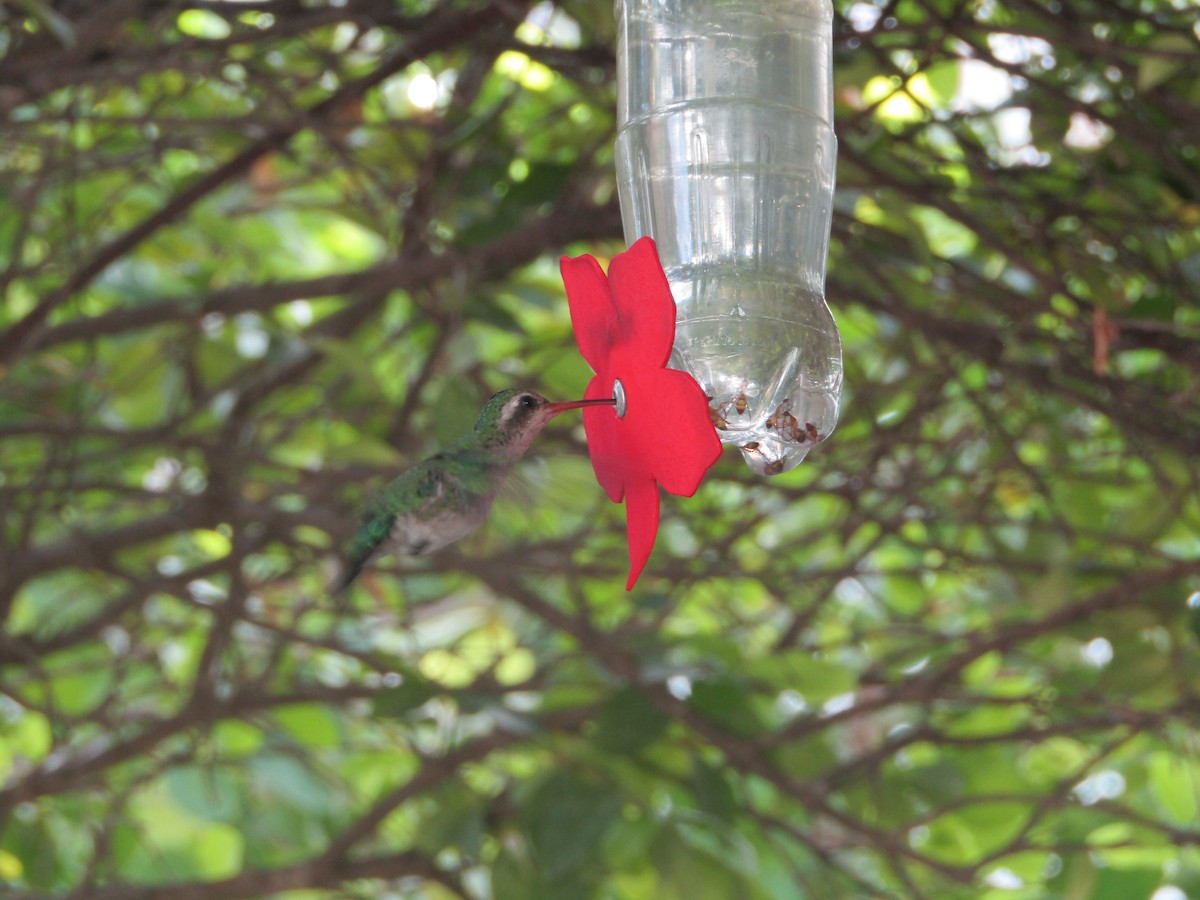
(526, 401)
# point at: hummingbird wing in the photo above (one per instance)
(546, 497)
(433, 504)
(413, 491)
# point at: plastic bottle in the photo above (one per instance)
(725, 156)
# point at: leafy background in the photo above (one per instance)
(258, 256)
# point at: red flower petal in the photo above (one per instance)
(625, 326)
(642, 297)
(686, 445)
(593, 314)
(605, 444)
(641, 515)
(645, 428)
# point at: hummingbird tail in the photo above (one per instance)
(345, 578)
(365, 544)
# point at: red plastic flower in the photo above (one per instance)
(661, 433)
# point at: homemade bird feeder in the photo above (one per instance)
(725, 165)
(725, 157)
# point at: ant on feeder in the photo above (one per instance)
(716, 414)
(773, 467)
(788, 426)
(719, 414)
(783, 422)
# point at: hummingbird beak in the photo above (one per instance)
(556, 408)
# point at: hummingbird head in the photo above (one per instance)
(512, 418)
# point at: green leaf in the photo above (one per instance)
(456, 819)
(310, 724)
(1121, 884)
(396, 702)
(284, 780)
(1175, 783)
(81, 680)
(1168, 55)
(694, 872)
(215, 794)
(727, 704)
(628, 722)
(565, 818)
(812, 678)
(713, 792)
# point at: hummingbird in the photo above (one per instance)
(446, 497)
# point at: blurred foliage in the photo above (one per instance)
(258, 256)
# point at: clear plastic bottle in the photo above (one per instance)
(725, 156)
